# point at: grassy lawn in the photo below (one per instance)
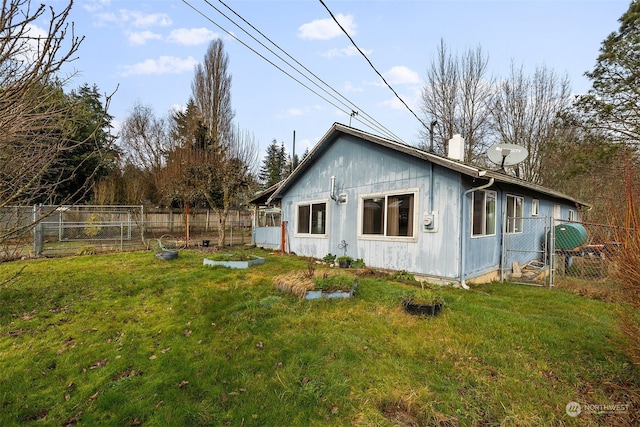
(127, 339)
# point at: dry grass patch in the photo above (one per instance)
(601, 290)
(299, 283)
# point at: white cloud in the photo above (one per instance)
(412, 100)
(325, 29)
(31, 46)
(346, 51)
(132, 18)
(95, 5)
(104, 18)
(144, 20)
(191, 36)
(141, 37)
(401, 75)
(162, 65)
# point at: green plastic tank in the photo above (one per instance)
(570, 236)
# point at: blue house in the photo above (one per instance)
(401, 208)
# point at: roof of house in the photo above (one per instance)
(269, 195)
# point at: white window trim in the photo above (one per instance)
(572, 215)
(535, 207)
(326, 220)
(385, 194)
(495, 216)
(506, 225)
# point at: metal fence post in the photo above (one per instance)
(38, 240)
(552, 251)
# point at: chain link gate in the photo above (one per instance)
(528, 251)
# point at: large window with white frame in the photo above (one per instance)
(483, 213)
(311, 218)
(388, 215)
(514, 213)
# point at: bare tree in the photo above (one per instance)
(439, 95)
(211, 89)
(525, 112)
(228, 161)
(145, 139)
(476, 90)
(30, 115)
(455, 96)
(35, 135)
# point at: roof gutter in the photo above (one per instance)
(462, 237)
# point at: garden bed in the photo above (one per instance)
(233, 261)
(318, 285)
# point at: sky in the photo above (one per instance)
(144, 51)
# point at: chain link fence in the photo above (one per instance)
(527, 251)
(70, 230)
(544, 251)
(592, 260)
(64, 230)
(536, 250)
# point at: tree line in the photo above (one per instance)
(192, 158)
(58, 147)
(576, 143)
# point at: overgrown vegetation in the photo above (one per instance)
(126, 339)
(627, 260)
(424, 296)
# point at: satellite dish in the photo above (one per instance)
(507, 154)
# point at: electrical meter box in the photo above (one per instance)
(430, 221)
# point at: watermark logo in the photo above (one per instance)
(573, 409)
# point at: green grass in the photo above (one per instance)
(127, 339)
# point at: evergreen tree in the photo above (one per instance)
(188, 129)
(273, 167)
(87, 163)
(613, 102)
(294, 161)
(305, 154)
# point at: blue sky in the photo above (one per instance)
(147, 50)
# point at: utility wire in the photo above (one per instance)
(351, 105)
(260, 55)
(379, 127)
(372, 66)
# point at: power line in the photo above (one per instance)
(379, 127)
(258, 53)
(372, 66)
(351, 105)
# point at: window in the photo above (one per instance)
(483, 215)
(268, 217)
(535, 207)
(312, 218)
(572, 215)
(388, 215)
(514, 214)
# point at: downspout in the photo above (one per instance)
(462, 237)
(431, 207)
